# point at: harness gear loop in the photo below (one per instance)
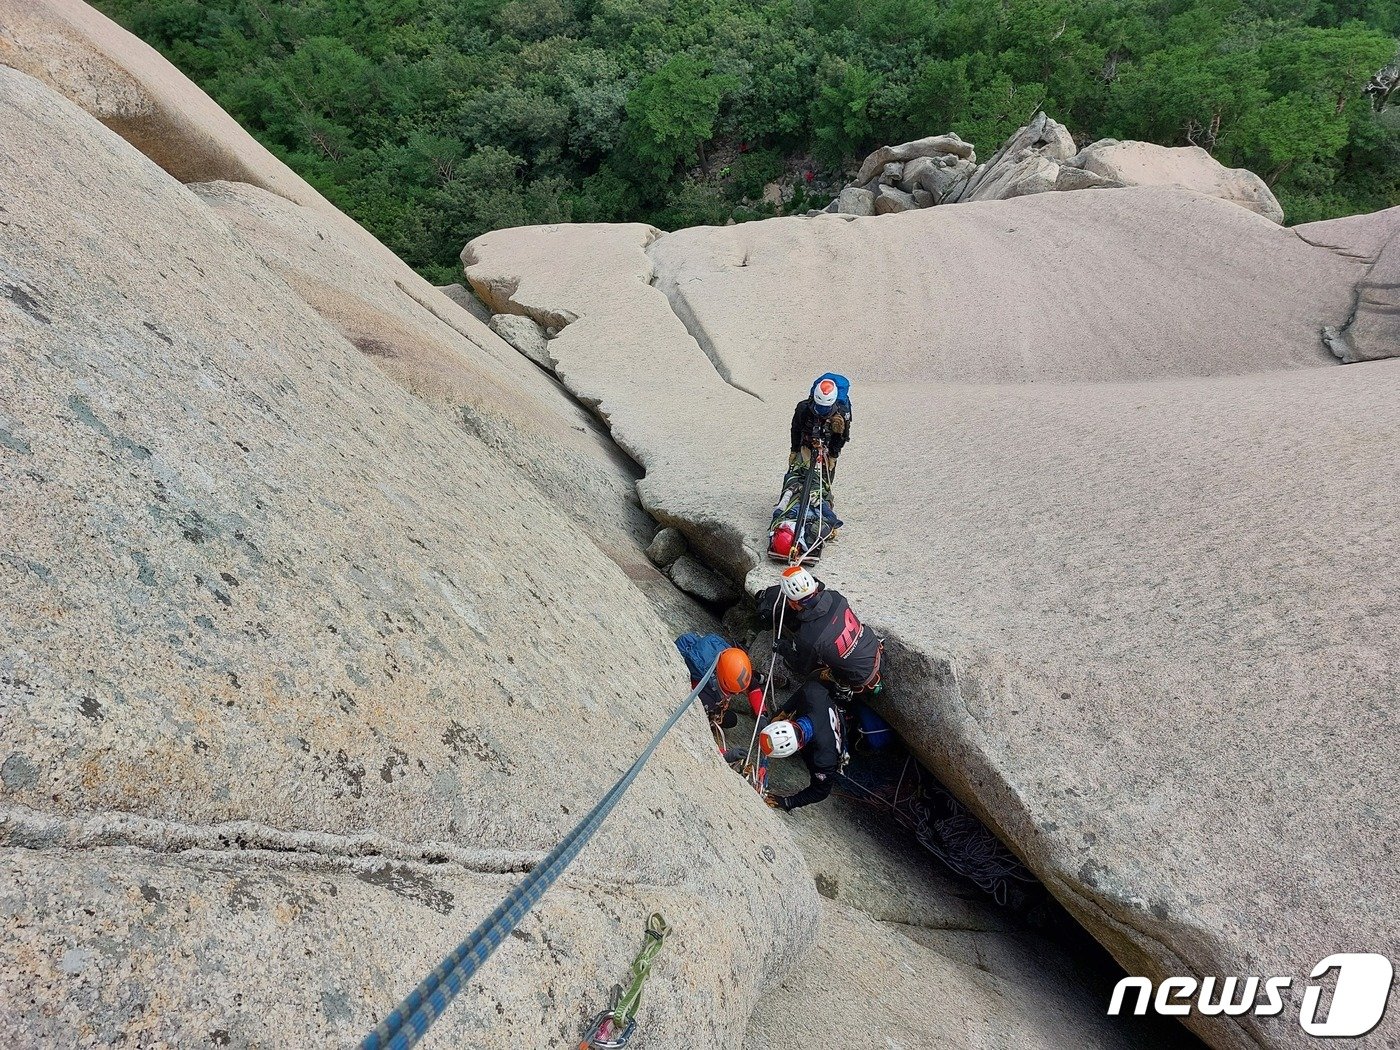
(614, 1027)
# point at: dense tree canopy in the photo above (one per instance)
(432, 121)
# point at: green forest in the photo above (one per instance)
(432, 121)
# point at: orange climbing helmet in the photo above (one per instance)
(734, 671)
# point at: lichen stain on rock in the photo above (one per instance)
(24, 301)
(410, 884)
(344, 777)
(83, 412)
(464, 741)
(18, 773)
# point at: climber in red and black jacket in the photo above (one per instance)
(817, 732)
(821, 631)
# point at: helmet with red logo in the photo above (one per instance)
(824, 395)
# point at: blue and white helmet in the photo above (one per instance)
(824, 395)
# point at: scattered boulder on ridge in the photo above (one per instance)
(1028, 162)
(889, 200)
(855, 201)
(935, 146)
(1039, 158)
(1189, 167)
(1104, 499)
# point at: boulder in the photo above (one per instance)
(932, 146)
(1123, 617)
(888, 200)
(1071, 178)
(924, 199)
(694, 577)
(666, 546)
(773, 194)
(246, 576)
(525, 335)
(1013, 176)
(1188, 167)
(855, 201)
(467, 300)
(1027, 163)
(940, 177)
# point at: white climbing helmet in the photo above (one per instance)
(824, 393)
(798, 584)
(778, 740)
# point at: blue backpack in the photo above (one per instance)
(699, 651)
(843, 388)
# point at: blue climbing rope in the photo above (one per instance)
(411, 1019)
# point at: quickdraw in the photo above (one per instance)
(615, 1026)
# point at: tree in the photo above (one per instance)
(841, 114)
(671, 115)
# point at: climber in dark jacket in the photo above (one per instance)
(826, 414)
(817, 732)
(821, 632)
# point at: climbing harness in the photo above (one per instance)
(410, 1020)
(615, 1026)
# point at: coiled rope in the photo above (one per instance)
(410, 1020)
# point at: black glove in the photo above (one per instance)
(763, 603)
(787, 649)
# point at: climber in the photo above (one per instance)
(825, 416)
(821, 633)
(818, 526)
(817, 732)
(734, 675)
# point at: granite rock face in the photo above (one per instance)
(285, 671)
(444, 357)
(1104, 497)
(1372, 331)
(131, 88)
